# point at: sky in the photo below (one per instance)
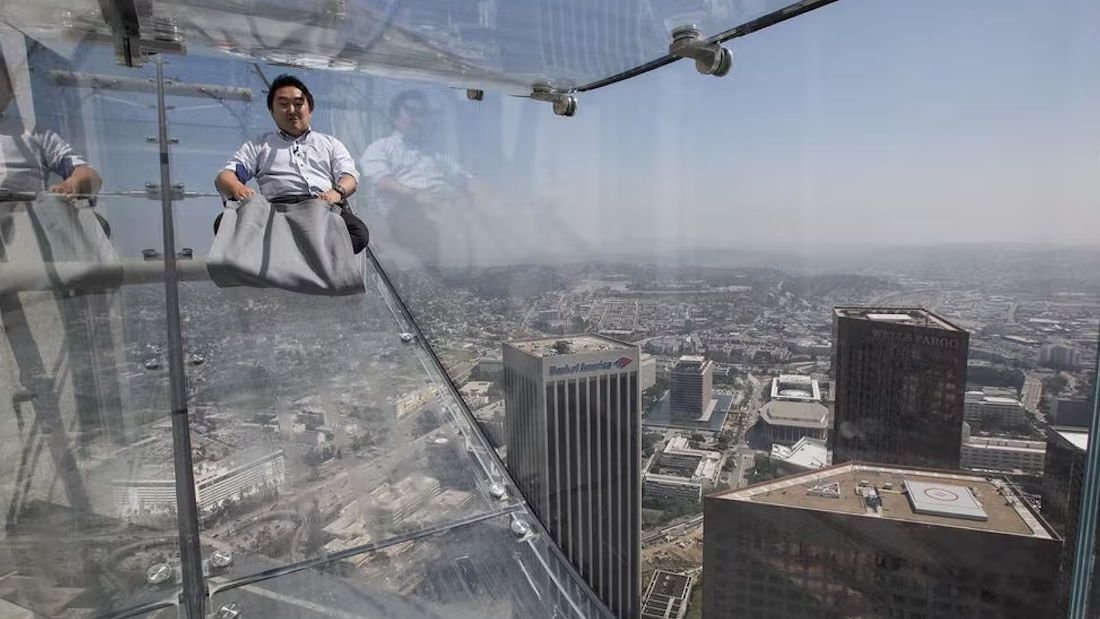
(863, 122)
(866, 122)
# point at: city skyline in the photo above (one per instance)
(507, 434)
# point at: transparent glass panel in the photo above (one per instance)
(476, 568)
(87, 494)
(317, 428)
(506, 45)
(730, 220)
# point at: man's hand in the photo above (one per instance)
(242, 193)
(66, 188)
(332, 196)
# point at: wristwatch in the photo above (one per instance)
(340, 190)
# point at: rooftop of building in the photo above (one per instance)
(1078, 437)
(914, 316)
(674, 480)
(666, 595)
(692, 363)
(807, 453)
(799, 414)
(795, 387)
(981, 397)
(943, 498)
(569, 345)
(1008, 444)
(681, 445)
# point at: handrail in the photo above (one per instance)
(749, 27)
(40, 276)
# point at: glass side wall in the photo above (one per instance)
(335, 471)
(83, 391)
(840, 306)
(879, 249)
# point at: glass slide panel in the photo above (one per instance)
(472, 568)
(319, 424)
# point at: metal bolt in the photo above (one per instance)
(220, 558)
(497, 490)
(231, 610)
(520, 528)
(686, 33)
(159, 573)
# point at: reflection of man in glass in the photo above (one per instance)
(411, 180)
(28, 156)
(295, 163)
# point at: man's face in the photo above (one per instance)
(412, 120)
(290, 109)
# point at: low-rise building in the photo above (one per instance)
(981, 407)
(215, 483)
(664, 488)
(680, 471)
(806, 455)
(667, 595)
(681, 459)
(794, 411)
(1003, 455)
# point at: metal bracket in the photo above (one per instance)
(475, 94)
(123, 17)
(152, 191)
(564, 104)
(710, 58)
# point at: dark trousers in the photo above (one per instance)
(357, 228)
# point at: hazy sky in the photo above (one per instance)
(867, 121)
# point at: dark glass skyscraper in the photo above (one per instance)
(864, 540)
(900, 385)
(572, 429)
(1063, 478)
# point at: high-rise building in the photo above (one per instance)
(648, 371)
(900, 383)
(690, 384)
(573, 432)
(1063, 478)
(867, 540)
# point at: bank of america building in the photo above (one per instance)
(573, 432)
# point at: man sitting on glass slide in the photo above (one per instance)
(295, 163)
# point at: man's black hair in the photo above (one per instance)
(402, 98)
(288, 80)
